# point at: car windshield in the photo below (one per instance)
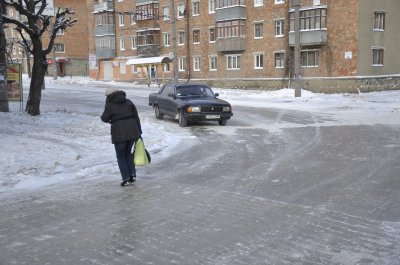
(197, 90)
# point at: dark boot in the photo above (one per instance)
(132, 179)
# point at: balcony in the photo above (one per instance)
(308, 2)
(310, 37)
(231, 44)
(148, 50)
(103, 6)
(105, 53)
(229, 13)
(148, 42)
(101, 30)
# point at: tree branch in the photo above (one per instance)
(42, 7)
(24, 41)
(61, 23)
(19, 24)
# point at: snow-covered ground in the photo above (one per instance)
(67, 144)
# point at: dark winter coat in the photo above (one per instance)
(121, 113)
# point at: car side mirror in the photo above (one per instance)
(172, 95)
(216, 94)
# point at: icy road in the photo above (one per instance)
(306, 181)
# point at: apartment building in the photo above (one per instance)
(71, 50)
(345, 45)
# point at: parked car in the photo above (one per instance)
(187, 102)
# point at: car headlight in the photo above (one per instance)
(193, 109)
(226, 109)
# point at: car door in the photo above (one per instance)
(165, 102)
(170, 102)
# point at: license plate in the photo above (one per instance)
(210, 117)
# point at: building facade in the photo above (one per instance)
(344, 45)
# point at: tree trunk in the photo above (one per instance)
(35, 91)
(3, 67)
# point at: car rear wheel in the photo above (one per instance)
(158, 113)
(222, 122)
(182, 120)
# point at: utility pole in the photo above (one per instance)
(54, 63)
(297, 74)
(174, 48)
(3, 66)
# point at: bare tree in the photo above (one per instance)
(36, 25)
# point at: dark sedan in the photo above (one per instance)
(188, 102)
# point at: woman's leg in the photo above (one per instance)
(129, 159)
(120, 150)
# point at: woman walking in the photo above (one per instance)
(121, 113)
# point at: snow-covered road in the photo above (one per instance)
(310, 180)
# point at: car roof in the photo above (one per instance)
(190, 84)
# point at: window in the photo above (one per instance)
(211, 6)
(149, 37)
(230, 3)
(309, 58)
(133, 19)
(166, 39)
(181, 64)
(231, 28)
(258, 2)
(167, 89)
(105, 43)
(377, 57)
(279, 28)
(122, 44)
(279, 60)
(233, 62)
(379, 21)
(134, 42)
(147, 11)
(60, 32)
(310, 19)
(105, 18)
(59, 47)
(279, 1)
(166, 13)
(213, 63)
(121, 19)
(167, 68)
(258, 30)
(181, 10)
(181, 38)
(259, 61)
(196, 36)
(196, 8)
(211, 35)
(196, 63)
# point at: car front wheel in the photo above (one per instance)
(182, 120)
(158, 113)
(222, 122)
